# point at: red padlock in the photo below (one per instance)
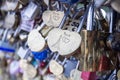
(104, 63)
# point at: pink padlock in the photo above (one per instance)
(88, 75)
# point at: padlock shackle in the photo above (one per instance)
(90, 17)
(111, 21)
(41, 26)
(83, 19)
(64, 18)
(64, 61)
(5, 34)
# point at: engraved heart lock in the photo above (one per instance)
(52, 18)
(61, 41)
(55, 67)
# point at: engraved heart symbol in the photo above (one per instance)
(52, 18)
(63, 41)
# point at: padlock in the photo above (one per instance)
(33, 38)
(75, 74)
(55, 67)
(52, 18)
(5, 45)
(23, 53)
(27, 25)
(103, 64)
(42, 55)
(88, 75)
(67, 69)
(33, 9)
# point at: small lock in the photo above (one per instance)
(69, 66)
(23, 53)
(5, 45)
(33, 9)
(42, 55)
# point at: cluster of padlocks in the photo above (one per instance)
(59, 40)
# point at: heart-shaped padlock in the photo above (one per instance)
(63, 41)
(33, 38)
(55, 67)
(52, 18)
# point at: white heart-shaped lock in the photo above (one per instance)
(55, 67)
(52, 18)
(63, 41)
(35, 41)
(57, 17)
(11, 5)
(9, 21)
(46, 18)
(30, 71)
(75, 74)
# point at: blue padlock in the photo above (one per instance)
(69, 1)
(42, 55)
(69, 66)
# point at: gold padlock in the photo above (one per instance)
(92, 49)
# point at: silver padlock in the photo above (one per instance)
(31, 11)
(5, 45)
